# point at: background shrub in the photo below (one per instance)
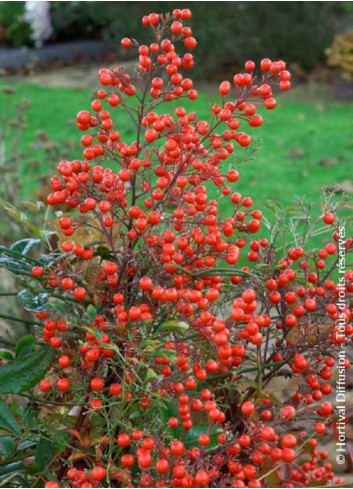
(14, 29)
(299, 31)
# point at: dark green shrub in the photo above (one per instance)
(16, 31)
(229, 32)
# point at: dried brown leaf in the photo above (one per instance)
(281, 388)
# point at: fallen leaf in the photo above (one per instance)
(88, 233)
(296, 153)
(344, 186)
(280, 390)
(85, 234)
(307, 333)
(329, 161)
(347, 186)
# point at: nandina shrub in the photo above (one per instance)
(168, 363)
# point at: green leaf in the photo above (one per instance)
(61, 440)
(226, 272)
(175, 325)
(6, 355)
(25, 345)
(150, 374)
(34, 303)
(168, 410)
(7, 420)
(92, 312)
(104, 253)
(29, 417)
(25, 371)
(192, 436)
(24, 246)
(7, 445)
(12, 467)
(44, 452)
(15, 265)
(24, 445)
(61, 307)
(48, 260)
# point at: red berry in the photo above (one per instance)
(97, 384)
(151, 135)
(98, 473)
(265, 64)
(328, 218)
(80, 293)
(115, 389)
(45, 386)
(63, 384)
(145, 283)
(37, 271)
(247, 408)
(126, 42)
(177, 448)
(110, 268)
(190, 43)
(202, 478)
(162, 466)
(64, 361)
(123, 440)
(249, 65)
(83, 117)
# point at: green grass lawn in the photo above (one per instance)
(297, 137)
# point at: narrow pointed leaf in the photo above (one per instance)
(32, 302)
(24, 246)
(7, 419)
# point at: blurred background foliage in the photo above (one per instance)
(228, 32)
(304, 149)
(14, 30)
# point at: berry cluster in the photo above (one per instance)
(170, 349)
